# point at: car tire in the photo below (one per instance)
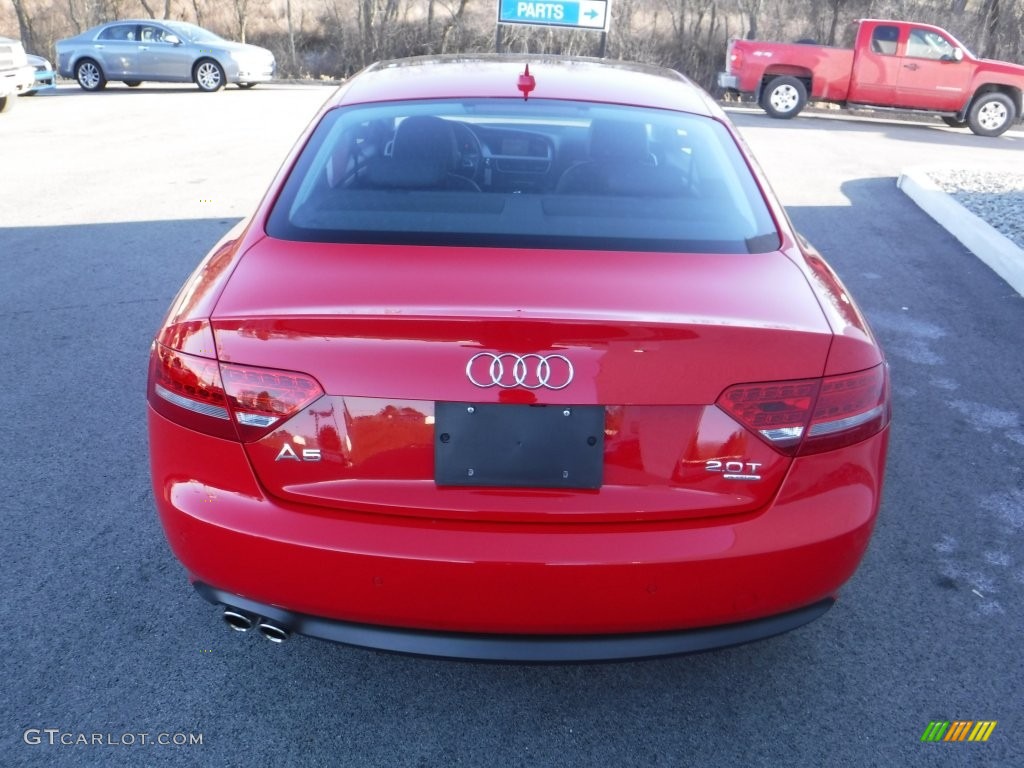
(89, 75)
(133, 83)
(953, 122)
(7, 103)
(246, 86)
(784, 97)
(991, 114)
(208, 75)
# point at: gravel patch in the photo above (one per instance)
(994, 196)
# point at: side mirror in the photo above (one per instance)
(172, 39)
(958, 54)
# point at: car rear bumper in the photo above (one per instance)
(17, 80)
(434, 577)
(63, 65)
(731, 82)
(521, 648)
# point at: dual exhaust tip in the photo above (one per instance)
(243, 621)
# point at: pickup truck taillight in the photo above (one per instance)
(733, 59)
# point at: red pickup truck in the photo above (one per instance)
(893, 65)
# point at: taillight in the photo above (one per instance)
(733, 59)
(812, 415)
(262, 398)
(187, 390)
(235, 402)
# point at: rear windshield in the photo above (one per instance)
(533, 174)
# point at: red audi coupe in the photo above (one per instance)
(518, 359)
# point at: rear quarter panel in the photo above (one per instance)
(827, 68)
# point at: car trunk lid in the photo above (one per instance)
(405, 340)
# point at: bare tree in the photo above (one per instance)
(241, 9)
(74, 17)
(153, 13)
(454, 20)
(376, 18)
(24, 25)
(291, 34)
(991, 26)
(752, 10)
(835, 6)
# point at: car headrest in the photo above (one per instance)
(422, 154)
(425, 139)
(618, 140)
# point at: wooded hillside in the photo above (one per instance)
(334, 38)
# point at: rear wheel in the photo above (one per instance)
(6, 103)
(209, 75)
(90, 76)
(133, 83)
(246, 86)
(991, 114)
(784, 97)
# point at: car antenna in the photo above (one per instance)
(526, 83)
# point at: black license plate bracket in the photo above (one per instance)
(519, 446)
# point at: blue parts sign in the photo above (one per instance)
(584, 14)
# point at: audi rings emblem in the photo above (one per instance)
(507, 370)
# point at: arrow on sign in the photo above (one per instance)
(591, 13)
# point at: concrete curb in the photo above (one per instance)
(995, 249)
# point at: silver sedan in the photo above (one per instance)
(135, 50)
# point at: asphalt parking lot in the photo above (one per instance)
(108, 200)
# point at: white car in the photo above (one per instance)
(137, 50)
(44, 78)
(16, 74)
